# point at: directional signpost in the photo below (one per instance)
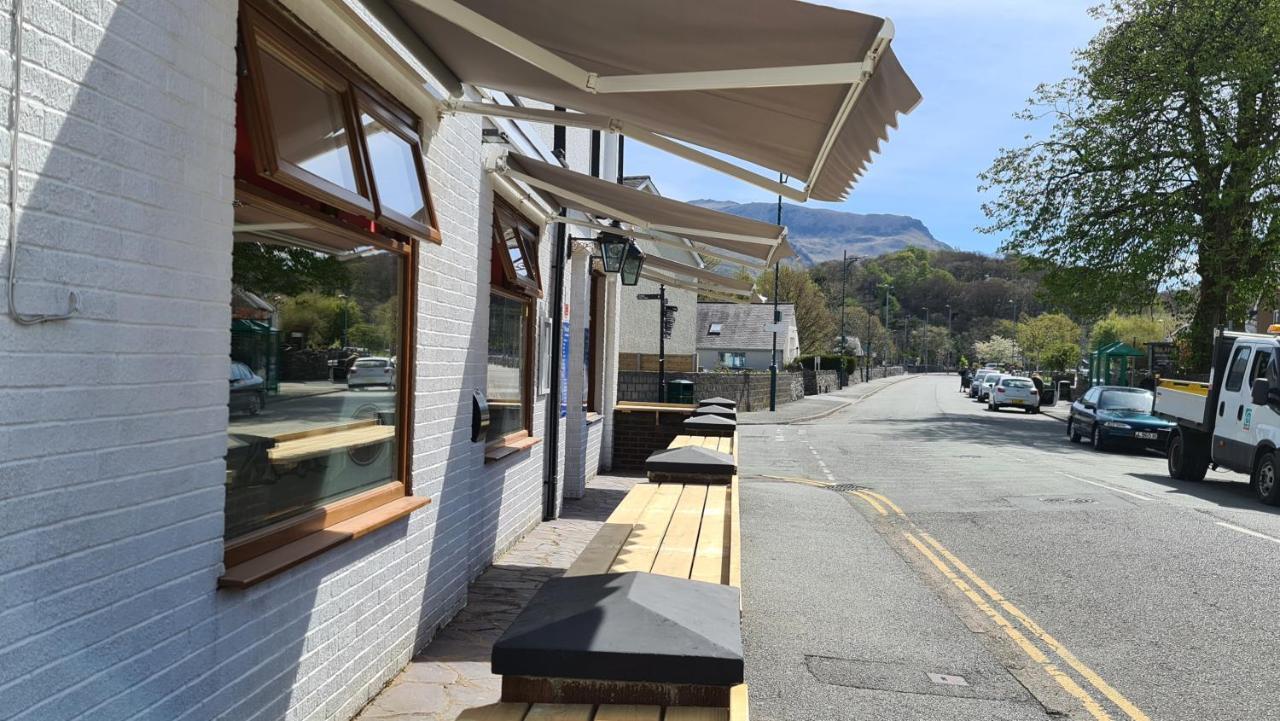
(666, 324)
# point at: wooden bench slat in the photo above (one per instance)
(600, 553)
(675, 555)
(735, 535)
(642, 545)
(695, 713)
(560, 712)
(709, 559)
(629, 713)
(633, 504)
(496, 712)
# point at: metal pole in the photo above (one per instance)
(886, 324)
(866, 352)
(551, 472)
(950, 342)
(662, 343)
(844, 279)
(777, 318)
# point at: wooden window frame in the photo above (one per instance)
(494, 449)
(403, 129)
(512, 286)
(263, 553)
(527, 235)
(265, 27)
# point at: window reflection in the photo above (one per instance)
(308, 124)
(508, 320)
(395, 171)
(313, 413)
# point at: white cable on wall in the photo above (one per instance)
(73, 301)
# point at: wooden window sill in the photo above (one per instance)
(260, 568)
(498, 450)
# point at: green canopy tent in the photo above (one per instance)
(1110, 364)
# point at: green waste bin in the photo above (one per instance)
(680, 391)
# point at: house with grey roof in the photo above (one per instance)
(740, 335)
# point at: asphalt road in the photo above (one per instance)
(1055, 580)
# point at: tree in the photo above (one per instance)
(998, 349)
(930, 343)
(856, 322)
(1060, 357)
(1136, 330)
(319, 318)
(814, 323)
(1037, 335)
(276, 269)
(1163, 163)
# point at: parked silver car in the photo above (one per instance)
(975, 388)
(988, 382)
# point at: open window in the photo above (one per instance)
(312, 126)
(327, 219)
(513, 293)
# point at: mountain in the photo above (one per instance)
(818, 234)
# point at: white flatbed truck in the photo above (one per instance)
(1233, 421)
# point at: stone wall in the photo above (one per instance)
(816, 382)
(749, 389)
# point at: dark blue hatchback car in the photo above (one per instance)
(1117, 416)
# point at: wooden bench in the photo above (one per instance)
(683, 530)
(672, 529)
(508, 711)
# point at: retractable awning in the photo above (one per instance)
(800, 89)
(648, 216)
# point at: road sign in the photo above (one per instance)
(647, 296)
(672, 308)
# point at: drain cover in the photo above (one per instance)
(943, 679)
(1068, 500)
(847, 488)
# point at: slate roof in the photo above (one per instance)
(742, 325)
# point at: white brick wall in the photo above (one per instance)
(112, 425)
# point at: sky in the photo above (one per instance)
(976, 62)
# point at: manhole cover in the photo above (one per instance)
(1068, 500)
(847, 488)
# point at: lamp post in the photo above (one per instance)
(844, 282)
(777, 318)
(950, 342)
(924, 338)
(886, 288)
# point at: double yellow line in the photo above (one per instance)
(966, 580)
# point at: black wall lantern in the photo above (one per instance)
(613, 248)
(631, 265)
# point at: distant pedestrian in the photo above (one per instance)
(966, 379)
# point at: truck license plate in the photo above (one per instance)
(1146, 435)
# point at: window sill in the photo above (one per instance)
(260, 568)
(593, 417)
(515, 443)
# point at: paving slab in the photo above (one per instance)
(452, 674)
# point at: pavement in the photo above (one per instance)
(452, 673)
(811, 408)
(1032, 577)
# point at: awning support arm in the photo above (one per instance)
(633, 220)
(664, 239)
(644, 135)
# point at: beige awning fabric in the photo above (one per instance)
(657, 262)
(649, 213)
(801, 89)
